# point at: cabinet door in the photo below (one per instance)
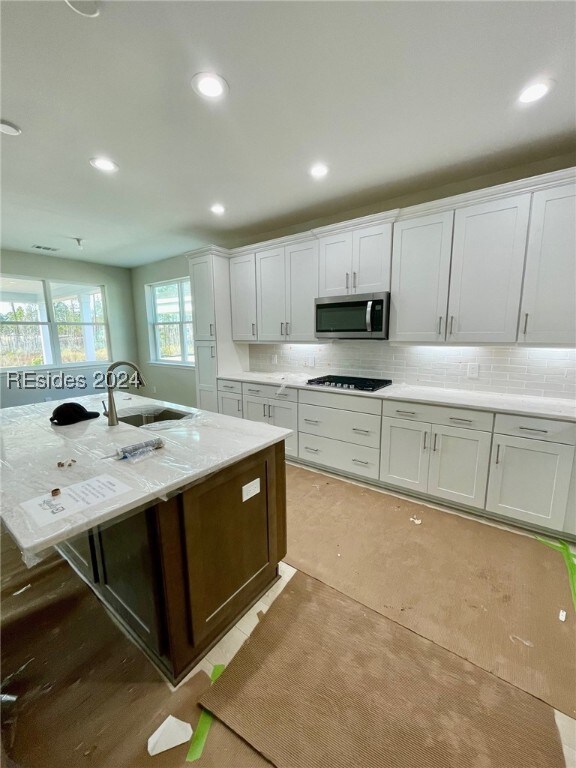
(285, 415)
(255, 408)
(203, 298)
(335, 265)
(301, 290)
(243, 297)
(271, 295)
(371, 254)
(230, 404)
(529, 480)
(420, 275)
(80, 552)
(549, 300)
(487, 266)
(206, 384)
(405, 453)
(459, 462)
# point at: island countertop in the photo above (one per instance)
(196, 446)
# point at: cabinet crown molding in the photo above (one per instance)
(531, 184)
(276, 242)
(208, 250)
(364, 221)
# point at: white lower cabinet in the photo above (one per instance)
(530, 480)
(230, 404)
(206, 371)
(346, 457)
(447, 462)
(280, 413)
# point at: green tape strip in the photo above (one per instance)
(569, 559)
(202, 729)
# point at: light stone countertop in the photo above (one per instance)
(195, 447)
(543, 407)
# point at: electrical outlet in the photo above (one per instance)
(311, 361)
(472, 372)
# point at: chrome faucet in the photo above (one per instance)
(111, 381)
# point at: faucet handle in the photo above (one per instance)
(105, 409)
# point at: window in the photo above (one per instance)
(51, 323)
(170, 314)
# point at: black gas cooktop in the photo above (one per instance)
(350, 382)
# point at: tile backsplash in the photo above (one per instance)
(548, 372)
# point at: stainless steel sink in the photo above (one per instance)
(139, 419)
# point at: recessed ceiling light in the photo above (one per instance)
(9, 128)
(104, 164)
(319, 170)
(209, 85)
(534, 92)
(218, 209)
(88, 8)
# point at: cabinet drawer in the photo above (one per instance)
(538, 429)
(341, 400)
(353, 459)
(438, 414)
(351, 427)
(271, 391)
(227, 385)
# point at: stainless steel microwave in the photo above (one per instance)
(361, 316)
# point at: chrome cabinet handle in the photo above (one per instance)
(353, 279)
(425, 436)
(264, 410)
(435, 439)
(211, 329)
(451, 325)
(357, 461)
(253, 329)
(282, 394)
(407, 413)
(312, 421)
(254, 391)
(269, 411)
(212, 352)
(347, 280)
(287, 329)
(239, 405)
(281, 329)
(456, 418)
(525, 323)
(362, 431)
(531, 429)
(439, 325)
(497, 453)
(312, 450)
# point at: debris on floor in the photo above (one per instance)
(527, 643)
(562, 615)
(170, 733)
(19, 592)
(415, 520)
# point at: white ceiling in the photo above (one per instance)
(387, 93)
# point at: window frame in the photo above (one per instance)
(153, 324)
(52, 326)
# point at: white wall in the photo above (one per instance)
(547, 372)
(166, 382)
(118, 292)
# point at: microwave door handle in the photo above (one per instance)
(369, 317)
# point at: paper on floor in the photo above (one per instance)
(170, 734)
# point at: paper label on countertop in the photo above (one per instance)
(47, 509)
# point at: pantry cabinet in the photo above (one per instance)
(420, 275)
(356, 261)
(286, 286)
(548, 312)
(243, 297)
(203, 308)
(530, 480)
(206, 372)
(487, 266)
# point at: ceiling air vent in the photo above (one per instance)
(44, 248)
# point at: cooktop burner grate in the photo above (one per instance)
(350, 382)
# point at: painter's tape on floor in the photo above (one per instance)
(562, 546)
(204, 723)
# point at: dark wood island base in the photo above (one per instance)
(178, 575)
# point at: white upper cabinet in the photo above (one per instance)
(548, 313)
(487, 266)
(243, 297)
(420, 275)
(301, 290)
(356, 261)
(271, 293)
(335, 264)
(371, 248)
(202, 281)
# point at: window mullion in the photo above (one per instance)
(181, 313)
(52, 326)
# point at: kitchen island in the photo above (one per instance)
(177, 545)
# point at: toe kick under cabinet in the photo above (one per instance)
(442, 452)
